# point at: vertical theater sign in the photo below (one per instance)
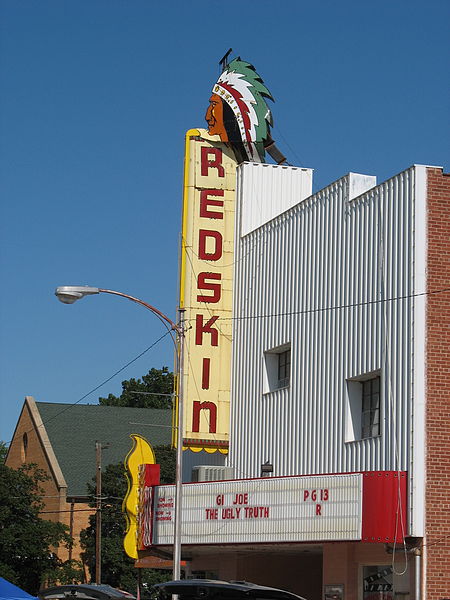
(239, 122)
(206, 288)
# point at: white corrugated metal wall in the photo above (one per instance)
(333, 277)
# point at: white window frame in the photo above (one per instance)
(271, 379)
(354, 409)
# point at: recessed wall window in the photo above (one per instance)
(363, 419)
(24, 448)
(370, 426)
(284, 368)
(277, 372)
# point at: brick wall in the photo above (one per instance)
(437, 520)
(54, 495)
(343, 562)
(81, 513)
(34, 453)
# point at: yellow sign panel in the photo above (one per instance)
(141, 453)
(206, 289)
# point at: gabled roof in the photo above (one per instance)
(72, 431)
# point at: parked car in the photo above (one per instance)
(209, 589)
(84, 592)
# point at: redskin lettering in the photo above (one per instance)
(199, 406)
(203, 284)
(209, 285)
(201, 328)
(211, 158)
(205, 373)
(206, 202)
(216, 236)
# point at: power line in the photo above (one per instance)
(338, 307)
(69, 406)
(436, 543)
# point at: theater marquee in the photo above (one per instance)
(356, 506)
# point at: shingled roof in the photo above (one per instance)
(73, 430)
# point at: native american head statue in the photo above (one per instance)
(238, 112)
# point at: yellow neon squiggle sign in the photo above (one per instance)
(141, 453)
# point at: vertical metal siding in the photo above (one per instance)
(333, 278)
(284, 188)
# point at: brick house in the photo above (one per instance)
(60, 439)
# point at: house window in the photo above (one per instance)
(24, 448)
(370, 421)
(277, 372)
(363, 418)
(284, 368)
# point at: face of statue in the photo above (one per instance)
(214, 118)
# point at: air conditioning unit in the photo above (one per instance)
(212, 473)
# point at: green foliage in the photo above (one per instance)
(155, 391)
(3, 452)
(157, 381)
(118, 569)
(166, 458)
(26, 540)
(70, 571)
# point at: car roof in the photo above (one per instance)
(215, 589)
(84, 592)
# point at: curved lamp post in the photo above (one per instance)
(68, 294)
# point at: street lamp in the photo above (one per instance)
(68, 294)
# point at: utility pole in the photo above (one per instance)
(98, 515)
(179, 469)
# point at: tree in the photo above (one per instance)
(3, 452)
(118, 569)
(157, 381)
(154, 390)
(166, 459)
(26, 540)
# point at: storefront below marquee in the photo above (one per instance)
(361, 570)
(328, 536)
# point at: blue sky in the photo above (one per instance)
(95, 99)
